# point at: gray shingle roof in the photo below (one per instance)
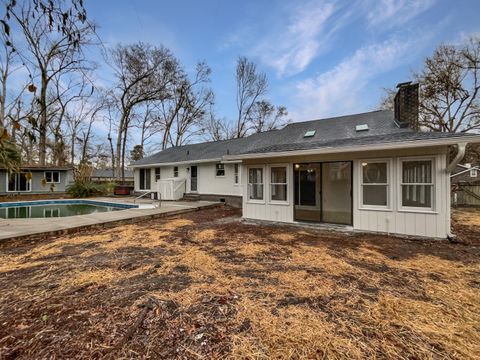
(108, 173)
(333, 132)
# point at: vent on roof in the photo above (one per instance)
(309, 133)
(363, 127)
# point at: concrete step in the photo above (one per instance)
(191, 197)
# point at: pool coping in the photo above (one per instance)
(68, 201)
(80, 223)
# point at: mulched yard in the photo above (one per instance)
(205, 285)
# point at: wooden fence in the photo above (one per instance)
(466, 195)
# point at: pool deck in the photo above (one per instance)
(42, 227)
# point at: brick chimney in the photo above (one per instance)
(406, 105)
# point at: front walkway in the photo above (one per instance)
(22, 228)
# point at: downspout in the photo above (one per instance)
(460, 154)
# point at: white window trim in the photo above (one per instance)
(390, 186)
(17, 191)
(269, 182)
(237, 176)
(254, 201)
(52, 182)
(145, 179)
(155, 174)
(414, 209)
(224, 170)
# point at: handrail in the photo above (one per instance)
(144, 194)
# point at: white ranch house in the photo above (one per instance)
(370, 172)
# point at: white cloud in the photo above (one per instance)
(341, 90)
(290, 50)
(391, 13)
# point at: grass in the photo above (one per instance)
(225, 289)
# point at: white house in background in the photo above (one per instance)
(372, 172)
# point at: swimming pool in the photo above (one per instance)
(57, 208)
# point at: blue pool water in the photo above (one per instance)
(57, 208)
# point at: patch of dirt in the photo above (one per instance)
(466, 225)
(206, 285)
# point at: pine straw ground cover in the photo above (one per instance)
(204, 285)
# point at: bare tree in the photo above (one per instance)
(449, 87)
(264, 116)
(143, 74)
(251, 85)
(50, 49)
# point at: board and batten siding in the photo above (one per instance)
(435, 223)
(266, 209)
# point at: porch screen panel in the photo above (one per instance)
(337, 192)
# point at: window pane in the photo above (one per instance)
(56, 176)
(417, 195)
(375, 195)
(255, 176)
(417, 171)
(11, 182)
(220, 170)
(48, 176)
(279, 175)
(256, 191)
(279, 192)
(374, 173)
(22, 183)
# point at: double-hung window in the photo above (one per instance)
(375, 184)
(175, 171)
(417, 184)
(255, 183)
(157, 174)
(278, 183)
(52, 177)
(236, 174)
(220, 170)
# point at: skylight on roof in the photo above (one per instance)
(363, 127)
(310, 133)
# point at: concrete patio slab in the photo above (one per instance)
(41, 227)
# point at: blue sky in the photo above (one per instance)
(323, 58)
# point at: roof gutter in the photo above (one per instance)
(187, 162)
(355, 148)
(460, 155)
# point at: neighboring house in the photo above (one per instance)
(465, 180)
(370, 171)
(465, 174)
(35, 179)
(106, 175)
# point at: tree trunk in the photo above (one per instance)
(118, 150)
(42, 143)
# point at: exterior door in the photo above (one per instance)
(193, 179)
(307, 192)
(323, 192)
